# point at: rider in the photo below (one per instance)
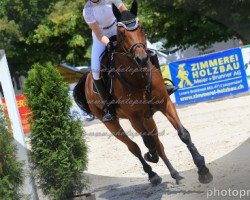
(99, 16)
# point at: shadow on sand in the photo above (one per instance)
(231, 172)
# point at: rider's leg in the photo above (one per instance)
(154, 59)
(97, 50)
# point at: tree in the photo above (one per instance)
(63, 33)
(11, 172)
(35, 31)
(40, 30)
(187, 22)
(59, 152)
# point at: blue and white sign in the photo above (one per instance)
(208, 77)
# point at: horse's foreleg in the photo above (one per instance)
(151, 155)
(115, 128)
(170, 112)
(150, 126)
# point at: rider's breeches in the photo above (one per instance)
(97, 50)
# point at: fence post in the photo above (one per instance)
(10, 98)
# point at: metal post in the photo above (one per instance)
(10, 98)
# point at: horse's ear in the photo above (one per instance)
(134, 8)
(116, 12)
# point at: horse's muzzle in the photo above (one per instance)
(142, 61)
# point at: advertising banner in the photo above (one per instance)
(23, 110)
(208, 77)
(246, 58)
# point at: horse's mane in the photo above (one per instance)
(126, 16)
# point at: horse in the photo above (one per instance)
(136, 79)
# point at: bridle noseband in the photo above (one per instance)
(135, 46)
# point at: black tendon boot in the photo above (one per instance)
(170, 88)
(109, 111)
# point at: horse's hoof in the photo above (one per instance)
(155, 180)
(205, 176)
(151, 158)
(177, 177)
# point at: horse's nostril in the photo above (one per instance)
(138, 60)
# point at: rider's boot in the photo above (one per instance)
(154, 59)
(109, 110)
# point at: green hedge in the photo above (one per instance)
(59, 152)
(11, 172)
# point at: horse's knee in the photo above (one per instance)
(185, 136)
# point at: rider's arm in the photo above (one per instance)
(97, 30)
(91, 21)
(89, 18)
(119, 4)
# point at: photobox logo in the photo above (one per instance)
(235, 193)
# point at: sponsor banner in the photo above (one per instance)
(165, 73)
(208, 77)
(24, 111)
(246, 59)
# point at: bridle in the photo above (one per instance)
(135, 46)
(131, 25)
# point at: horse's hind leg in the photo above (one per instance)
(170, 112)
(150, 137)
(115, 128)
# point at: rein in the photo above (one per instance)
(120, 76)
(129, 53)
(147, 90)
(131, 26)
(131, 86)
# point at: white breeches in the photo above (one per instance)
(97, 50)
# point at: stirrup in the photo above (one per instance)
(107, 117)
(108, 113)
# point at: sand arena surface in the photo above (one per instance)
(216, 128)
(220, 130)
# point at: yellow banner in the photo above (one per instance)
(69, 75)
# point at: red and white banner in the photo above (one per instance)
(24, 111)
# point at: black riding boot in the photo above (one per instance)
(170, 88)
(109, 111)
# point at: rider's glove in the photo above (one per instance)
(110, 46)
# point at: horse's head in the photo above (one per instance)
(130, 33)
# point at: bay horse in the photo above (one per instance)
(146, 87)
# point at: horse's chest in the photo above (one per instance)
(134, 108)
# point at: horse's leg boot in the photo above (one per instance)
(154, 59)
(109, 111)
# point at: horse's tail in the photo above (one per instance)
(79, 94)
